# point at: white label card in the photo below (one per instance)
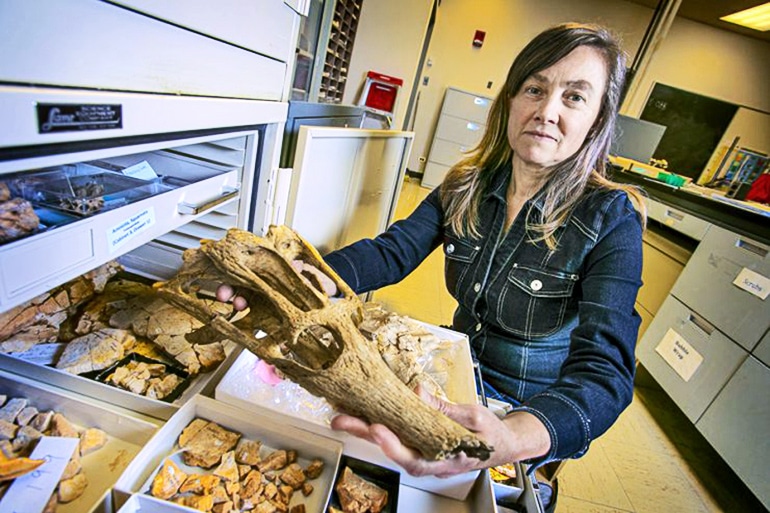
(130, 228)
(142, 170)
(753, 283)
(679, 354)
(31, 491)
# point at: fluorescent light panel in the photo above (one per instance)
(757, 18)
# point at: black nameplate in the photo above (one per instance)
(76, 117)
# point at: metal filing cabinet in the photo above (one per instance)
(460, 127)
(709, 285)
(736, 425)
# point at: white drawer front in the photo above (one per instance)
(466, 105)
(86, 43)
(34, 265)
(264, 26)
(462, 131)
(678, 220)
(694, 338)
(447, 153)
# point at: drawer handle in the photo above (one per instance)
(675, 215)
(185, 208)
(472, 126)
(480, 101)
(702, 324)
(752, 248)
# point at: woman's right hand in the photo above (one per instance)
(226, 293)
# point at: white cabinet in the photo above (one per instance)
(460, 127)
(99, 45)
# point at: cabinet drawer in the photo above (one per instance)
(27, 268)
(708, 285)
(675, 219)
(96, 45)
(738, 411)
(434, 174)
(762, 351)
(265, 26)
(447, 153)
(676, 324)
(459, 130)
(466, 105)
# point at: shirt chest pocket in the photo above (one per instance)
(459, 257)
(534, 300)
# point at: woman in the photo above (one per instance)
(543, 255)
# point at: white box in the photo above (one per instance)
(254, 424)
(241, 387)
(127, 433)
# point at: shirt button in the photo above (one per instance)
(450, 248)
(536, 285)
(477, 287)
(478, 327)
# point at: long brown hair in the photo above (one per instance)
(467, 181)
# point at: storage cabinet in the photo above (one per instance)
(736, 425)
(461, 125)
(709, 343)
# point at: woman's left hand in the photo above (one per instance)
(478, 419)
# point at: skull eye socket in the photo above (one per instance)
(316, 347)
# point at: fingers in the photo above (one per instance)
(226, 293)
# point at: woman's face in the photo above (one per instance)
(555, 108)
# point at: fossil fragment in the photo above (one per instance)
(312, 340)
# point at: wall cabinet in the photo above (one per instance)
(460, 127)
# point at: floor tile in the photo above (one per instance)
(592, 479)
(568, 504)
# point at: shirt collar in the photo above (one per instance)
(499, 187)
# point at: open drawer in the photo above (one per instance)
(69, 243)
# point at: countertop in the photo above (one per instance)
(744, 218)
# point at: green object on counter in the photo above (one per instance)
(671, 179)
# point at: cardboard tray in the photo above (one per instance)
(127, 433)
(203, 383)
(241, 387)
(254, 424)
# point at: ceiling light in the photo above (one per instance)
(757, 18)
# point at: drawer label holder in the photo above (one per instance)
(679, 354)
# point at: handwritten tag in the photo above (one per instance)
(142, 170)
(31, 491)
(130, 228)
(753, 283)
(679, 354)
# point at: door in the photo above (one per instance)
(345, 183)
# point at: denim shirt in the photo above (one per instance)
(553, 330)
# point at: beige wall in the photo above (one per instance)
(694, 56)
(389, 40)
(509, 25)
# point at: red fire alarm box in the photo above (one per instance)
(380, 92)
(478, 38)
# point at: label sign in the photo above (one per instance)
(142, 170)
(130, 228)
(753, 283)
(679, 354)
(31, 491)
(75, 117)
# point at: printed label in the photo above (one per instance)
(130, 228)
(142, 170)
(753, 283)
(73, 117)
(679, 354)
(31, 491)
